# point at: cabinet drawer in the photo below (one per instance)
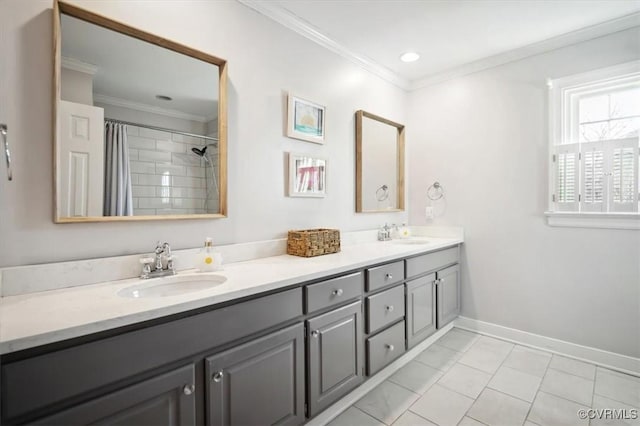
(432, 261)
(384, 308)
(385, 347)
(384, 275)
(333, 292)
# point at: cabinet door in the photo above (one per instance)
(421, 309)
(258, 383)
(448, 290)
(167, 399)
(335, 355)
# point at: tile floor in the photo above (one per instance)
(466, 379)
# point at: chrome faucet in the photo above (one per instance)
(384, 233)
(153, 268)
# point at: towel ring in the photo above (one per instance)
(382, 193)
(435, 191)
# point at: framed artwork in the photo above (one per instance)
(305, 120)
(307, 176)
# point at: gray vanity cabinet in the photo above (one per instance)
(89, 374)
(275, 359)
(335, 355)
(258, 383)
(433, 292)
(165, 400)
(448, 294)
(421, 309)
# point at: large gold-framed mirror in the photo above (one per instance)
(140, 123)
(379, 164)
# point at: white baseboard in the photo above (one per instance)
(342, 404)
(614, 361)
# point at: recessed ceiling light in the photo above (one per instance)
(164, 98)
(409, 57)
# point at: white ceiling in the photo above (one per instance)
(447, 33)
(132, 70)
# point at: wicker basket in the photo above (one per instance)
(313, 242)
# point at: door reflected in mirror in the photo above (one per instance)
(140, 124)
(379, 164)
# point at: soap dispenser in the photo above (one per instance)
(404, 231)
(207, 260)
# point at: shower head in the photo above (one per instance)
(199, 152)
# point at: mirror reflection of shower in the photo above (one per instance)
(209, 155)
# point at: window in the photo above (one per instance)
(594, 128)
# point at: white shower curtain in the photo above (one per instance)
(118, 200)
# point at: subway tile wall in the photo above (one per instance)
(167, 177)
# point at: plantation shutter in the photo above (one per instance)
(623, 166)
(566, 177)
(593, 177)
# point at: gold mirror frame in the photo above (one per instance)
(85, 15)
(399, 162)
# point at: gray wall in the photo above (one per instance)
(265, 61)
(484, 137)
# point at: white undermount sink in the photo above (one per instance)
(175, 285)
(411, 241)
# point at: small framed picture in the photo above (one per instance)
(305, 120)
(307, 176)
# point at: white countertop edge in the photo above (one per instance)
(89, 327)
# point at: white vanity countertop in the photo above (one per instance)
(34, 319)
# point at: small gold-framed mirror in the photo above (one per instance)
(140, 128)
(379, 164)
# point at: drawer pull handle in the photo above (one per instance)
(388, 276)
(7, 152)
(337, 292)
(188, 389)
(389, 346)
(389, 308)
(218, 376)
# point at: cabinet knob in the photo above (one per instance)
(440, 280)
(315, 333)
(389, 308)
(217, 376)
(389, 276)
(390, 347)
(188, 389)
(337, 292)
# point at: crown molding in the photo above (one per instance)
(294, 23)
(125, 103)
(588, 33)
(77, 65)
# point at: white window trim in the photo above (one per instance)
(557, 98)
(594, 220)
